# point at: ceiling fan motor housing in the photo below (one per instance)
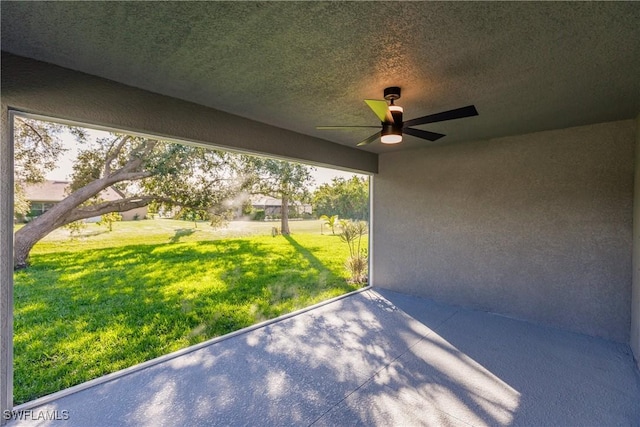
(392, 93)
(396, 113)
(391, 129)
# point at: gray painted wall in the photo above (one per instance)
(6, 265)
(635, 291)
(40, 88)
(534, 226)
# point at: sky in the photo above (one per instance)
(63, 171)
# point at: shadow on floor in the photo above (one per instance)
(376, 358)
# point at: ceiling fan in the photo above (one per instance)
(392, 125)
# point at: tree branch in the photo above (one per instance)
(121, 205)
(121, 175)
(135, 159)
(148, 146)
(24, 123)
(112, 155)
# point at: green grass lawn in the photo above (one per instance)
(107, 301)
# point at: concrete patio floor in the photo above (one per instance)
(374, 358)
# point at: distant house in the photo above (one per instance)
(273, 206)
(44, 196)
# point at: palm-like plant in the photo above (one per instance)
(352, 232)
(330, 221)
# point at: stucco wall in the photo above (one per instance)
(534, 226)
(635, 292)
(36, 87)
(6, 264)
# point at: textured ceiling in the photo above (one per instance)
(526, 66)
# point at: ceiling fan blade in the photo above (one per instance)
(381, 109)
(370, 139)
(458, 113)
(424, 134)
(346, 127)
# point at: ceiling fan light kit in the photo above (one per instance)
(390, 134)
(393, 126)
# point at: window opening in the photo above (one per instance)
(198, 247)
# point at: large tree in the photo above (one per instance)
(284, 180)
(143, 170)
(347, 198)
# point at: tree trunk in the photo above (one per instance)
(25, 238)
(64, 212)
(284, 222)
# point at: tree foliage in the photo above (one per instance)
(344, 198)
(141, 170)
(37, 148)
(287, 181)
(170, 174)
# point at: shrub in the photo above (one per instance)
(258, 215)
(357, 266)
(109, 218)
(357, 263)
(75, 228)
